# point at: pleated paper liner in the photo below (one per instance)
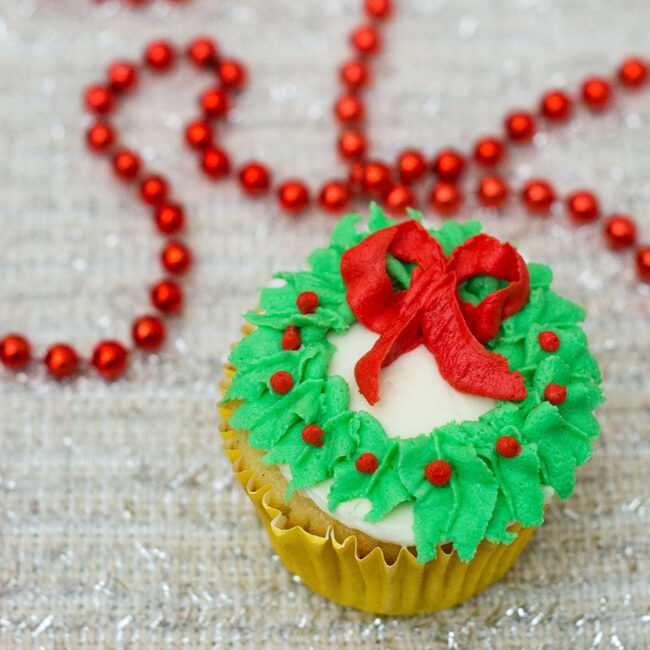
(334, 569)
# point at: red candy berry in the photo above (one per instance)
(148, 332)
(166, 296)
(376, 179)
(176, 257)
(492, 191)
(281, 382)
(334, 196)
(122, 76)
(489, 152)
(254, 179)
(203, 52)
(100, 99)
(199, 134)
(538, 195)
(349, 109)
(61, 361)
(100, 137)
(379, 9)
(596, 93)
(312, 434)
(159, 56)
(642, 261)
(110, 358)
(583, 206)
(508, 447)
(556, 106)
(448, 165)
(398, 199)
(367, 463)
(411, 166)
(438, 472)
(232, 74)
(126, 164)
(15, 351)
(215, 163)
(352, 145)
(633, 73)
(548, 341)
(555, 393)
(154, 190)
(293, 196)
(366, 40)
(445, 198)
(307, 302)
(291, 338)
(354, 74)
(214, 103)
(170, 218)
(620, 231)
(520, 126)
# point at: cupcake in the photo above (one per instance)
(402, 412)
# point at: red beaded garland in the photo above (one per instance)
(398, 199)
(620, 231)
(159, 56)
(355, 74)
(61, 360)
(438, 472)
(538, 195)
(126, 164)
(555, 393)
(291, 338)
(367, 463)
(215, 163)
(492, 191)
(312, 434)
(489, 152)
(122, 76)
(349, 109)
(170, 218)
(596, 93)
(293, 196)
(148, 332)
(549, 341)
(556, 106)
(109, 358)
(508, 447)
(203, 52)
(520, 126)
(154, 189)
(307, 302)
(352, 145)
(176, 257)
(583, 206)
(166, 296)
(214, 103)
(642, 261)
(100, 99)
(380, 9)
(411, 166)
(448, 165)
(334, 196)
(15, 351)
(376, 179)
(366, 40)
(281, 382)
(445, 198)
(633, 73)
(232, 74)
(199, 134)
(254, 178)
(100, 137)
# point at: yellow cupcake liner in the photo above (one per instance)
(334, 569)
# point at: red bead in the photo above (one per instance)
(492, 191)
(376, 179)
(411, 166)
(176, 257)
(355, 74)
(583, 206)
(596, 93)
(126, 164)
(110, 358)
(159, 55)
(520, 126)
(154, 190)
(293, 196)
(349, 109)
(398, 199)
(166, 296)
(538, 195)
(100, 137)
(367, 463)
(438, 472)
(307, 302)
(508, 447)
(353, 145)
(549, 341)
(232, 74)
(254, 178)
(122, 76)
(312, 434)
(15, 351)
(281, 382)
(148, 332)
(365, 40)
(488, 152)
(555, 394)
(380, 9)
(100, 99)
(445, 198)
(61, 360)
(203, 52)
(620, 231)
(448, 165)
(334, 196)
(556, 106)
(642, 261)
(170, 218)
(633, 73)
(291, 338)
(199, 134)
(215, 163)
(214, 103)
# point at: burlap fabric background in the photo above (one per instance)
(121, 525)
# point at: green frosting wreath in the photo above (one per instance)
(486, 491)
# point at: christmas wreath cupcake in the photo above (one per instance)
(402, 412)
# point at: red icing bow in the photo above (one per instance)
(431, 310)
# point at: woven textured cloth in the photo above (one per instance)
(121, 524)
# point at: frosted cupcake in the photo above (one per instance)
(402, 412)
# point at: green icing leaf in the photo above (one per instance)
(453, 234)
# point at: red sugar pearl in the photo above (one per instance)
(633, 73)
(334, 196)
(214, 103)
(254, 178)
(154, 190)
(448, 165)
(148, 332)
(293, 196)
(538, 195)
(100, 137)
(411, 166)
(642, 261)
(291, 338)
(170, 218)
(492, 191)
(508, 447)
(556, 106)
(122, 76)
(159, 56)
(61, 361)
(583, 206)
(126, 164)
(215, 163)
(109, 358)
(489, 152)
(620, 231)
(352, 145)
(376, 178)
(281, 382)
(99, 99)
(398, 199)
(166, 296)
(312, 434)
(203, 52)
(367, 463)
(548, 341)
(176, 257)
(520, 126)
(232, 74)
(596, 93)
(354, 74)
(438, 472)
(366, 40)
(307, 302)
(555, 393)
(380, 9)
(445, 198)
(199, 134)
(349, 109)
(15, 351)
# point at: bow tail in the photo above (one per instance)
(462, 360)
